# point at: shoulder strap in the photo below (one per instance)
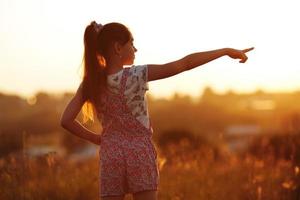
(123, 80)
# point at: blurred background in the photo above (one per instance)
(224, 130)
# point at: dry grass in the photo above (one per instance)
(194, 174)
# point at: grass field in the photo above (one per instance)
(185, 173)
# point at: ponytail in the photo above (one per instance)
(94, 78)
(98, 42)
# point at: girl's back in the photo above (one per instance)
(136, 87)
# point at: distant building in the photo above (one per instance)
(243, 129)
(41, 150)
(88, 152)
(239, 135)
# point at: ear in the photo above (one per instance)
(117, 47)
(101, 59)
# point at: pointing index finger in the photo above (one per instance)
(246, 50)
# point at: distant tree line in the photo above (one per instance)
(208, 115)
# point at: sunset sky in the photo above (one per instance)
(41, 42)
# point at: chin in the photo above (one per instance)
(131, 63)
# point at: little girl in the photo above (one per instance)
(116, 95)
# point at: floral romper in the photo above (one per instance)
(128, 158)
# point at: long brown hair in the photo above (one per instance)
(97, 51)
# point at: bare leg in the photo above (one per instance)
(145, 195)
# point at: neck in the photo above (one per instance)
(114, 66)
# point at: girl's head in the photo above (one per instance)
(104, 46)
(115, 44)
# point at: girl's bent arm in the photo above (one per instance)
(69, 122)
(191, 61)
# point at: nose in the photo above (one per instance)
(135, 49)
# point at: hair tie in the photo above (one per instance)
(97, 27)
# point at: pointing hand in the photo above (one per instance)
(238, 54)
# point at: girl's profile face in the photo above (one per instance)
(128, 51)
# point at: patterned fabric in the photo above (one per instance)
(136, 87)
(128, 158)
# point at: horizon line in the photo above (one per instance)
(169, 96)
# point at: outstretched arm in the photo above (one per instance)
(191, 61)
(68, 119)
